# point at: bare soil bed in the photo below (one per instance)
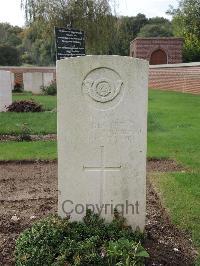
(29, 192)
(48, 137)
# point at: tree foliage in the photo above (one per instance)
(10, 44)
(126, 29)
(186, 23)
(10, 35)
(9, 56)
(156, 27)
(38, 45)
(105, 32)
(92, 16)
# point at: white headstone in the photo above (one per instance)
(102, 132)
(5, 90)
(33, 82)
(47, 78)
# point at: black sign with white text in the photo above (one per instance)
(69, 43)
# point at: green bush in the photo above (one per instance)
(58, 242)
(50, 89)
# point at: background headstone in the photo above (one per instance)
(5, 90)
(47, 78)
(102, 131)
(33, 82)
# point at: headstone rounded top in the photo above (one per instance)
(102, 84)
(102, 118)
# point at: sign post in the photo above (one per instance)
(69, 43)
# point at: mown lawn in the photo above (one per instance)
(39, 123)
(48, 102)
(174, 127)
(173, 132)
(10, 151)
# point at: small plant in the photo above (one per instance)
(59, 242)
(25, 106)
(125, 252)
(50, 89)
(25, 133)
(18, 88)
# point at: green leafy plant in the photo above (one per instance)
(25, 132)
(125, 252)
(56, 241)
(51, 89)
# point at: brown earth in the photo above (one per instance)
(164, 165)
(29, 192)
(48, 137)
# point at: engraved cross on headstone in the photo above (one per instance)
(102, 169)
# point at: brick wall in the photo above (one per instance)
(176, 77)
(181, 77)
(144, 47)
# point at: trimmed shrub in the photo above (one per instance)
(25, 106)
(50, 89)
(56, 241)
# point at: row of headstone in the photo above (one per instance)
(33, 81)
(102, 136)
(5, 90)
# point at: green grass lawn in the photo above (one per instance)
(48, 102)
(173, 132)
(38, 123)
(174, 127)
(28, 150)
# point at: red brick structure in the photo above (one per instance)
(167, 50)
(181, 77)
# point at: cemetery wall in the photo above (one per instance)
(177, 77)
(19, 71)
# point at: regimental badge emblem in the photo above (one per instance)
(102, 85)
